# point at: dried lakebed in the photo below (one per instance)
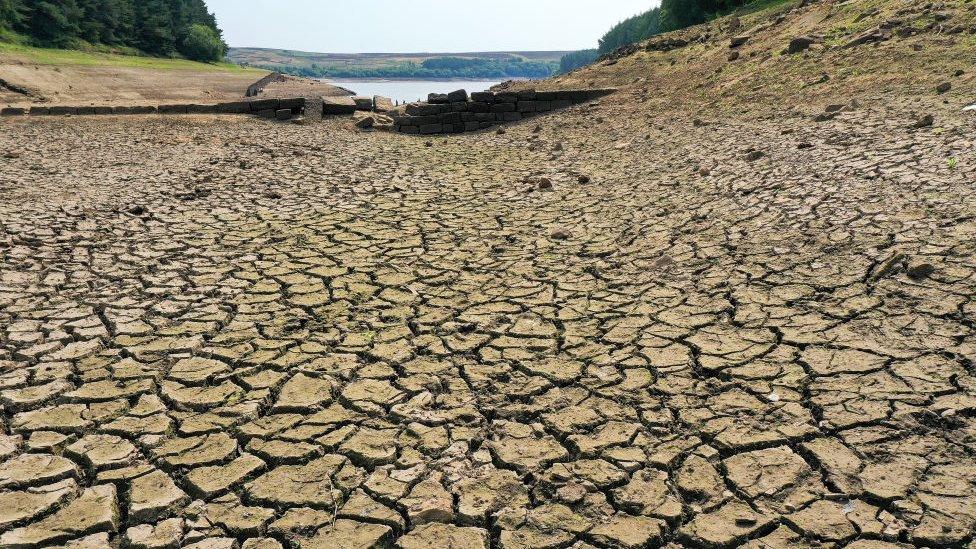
(587, 331)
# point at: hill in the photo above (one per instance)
(37, 75)
(515, 64)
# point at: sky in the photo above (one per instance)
(407, 26)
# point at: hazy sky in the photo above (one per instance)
(349, 26)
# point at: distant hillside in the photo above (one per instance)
(515, 64)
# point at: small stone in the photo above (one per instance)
(799, 44)
(943, 88)
(752, 156)
(924, 122)
(137, 210)
(560, 234)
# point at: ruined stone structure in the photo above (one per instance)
(456, 112)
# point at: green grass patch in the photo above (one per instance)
(47, 56)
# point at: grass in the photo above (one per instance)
(47, 56)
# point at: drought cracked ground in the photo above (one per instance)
(596, 329)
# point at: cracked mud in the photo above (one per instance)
(229, 333)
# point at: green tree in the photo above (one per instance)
(201, 43)
(55, 22)
(637, 28)
(12, 14)
(577, 59)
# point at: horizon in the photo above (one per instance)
(548, 25)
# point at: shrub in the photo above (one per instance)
(201, 43)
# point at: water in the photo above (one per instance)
(407, 91)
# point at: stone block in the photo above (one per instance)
(484, 116)
(338, 105)
(526, 95)
(144, 109)
(61, 111)
(425, 109)
(13, 111)
(123, 109)
(526, 106)
(267, 113)
(382, 104)
(295, 104)
(85, 110)
(472, 126)
(458, 96)
(410, 129)
(172, 109)
(479, 107)
(430, 129)
(506, 97)
(235, 107)
(104, 110)
(201, 109)
(512, 116)
(263, 105)
(437, 98)
(503, 107)
(483, 97)
(35, 111)
(363, 103)
(283, 114)
(543, 106)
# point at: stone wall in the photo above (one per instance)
(282, 109)
(456, 112)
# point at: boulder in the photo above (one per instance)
(800, 43)
(738, 41)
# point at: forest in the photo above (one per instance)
(671, 15)
(168, 28)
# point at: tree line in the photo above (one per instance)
(156, 27)
(670, 16)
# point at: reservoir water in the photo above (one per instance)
(407, 91)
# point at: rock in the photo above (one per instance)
(560, 234)
(734, 55)
(943, 88)
(583, 179)
(95, 510)
(737, 41)
(437, 98)
(283, 114)
(872, 35)
(925, 121)
(752, 156)
(137, 210)
(363, 121)
(799, 44)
